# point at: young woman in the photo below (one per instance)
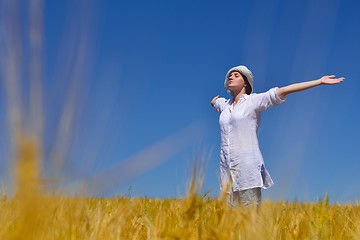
(242, 168)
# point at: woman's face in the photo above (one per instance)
(235, 81)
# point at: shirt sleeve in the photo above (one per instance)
(267, 99)
(219, 104)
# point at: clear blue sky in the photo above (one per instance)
(139, 75)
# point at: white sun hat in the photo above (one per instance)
(243, 70)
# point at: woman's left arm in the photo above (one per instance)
(297, 87)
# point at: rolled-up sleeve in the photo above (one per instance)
(219, 104)
(268, 99)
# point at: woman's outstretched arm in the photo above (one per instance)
(297, 87)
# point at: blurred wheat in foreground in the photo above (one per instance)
(34, 214)
(57, 217)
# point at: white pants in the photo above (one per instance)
(245, 197)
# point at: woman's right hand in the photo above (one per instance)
(214, 100)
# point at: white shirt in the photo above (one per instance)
(241, 161)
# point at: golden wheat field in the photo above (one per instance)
(32, 213)
(56, 217)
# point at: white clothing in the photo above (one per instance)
(245, 198)
(241, 162)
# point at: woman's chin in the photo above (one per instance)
(232, 88)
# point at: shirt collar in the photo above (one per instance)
(242, 98)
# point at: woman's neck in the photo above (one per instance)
(238, 94)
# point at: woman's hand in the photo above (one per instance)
(331, 79)
(214, 100)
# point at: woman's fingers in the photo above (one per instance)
(331, 79)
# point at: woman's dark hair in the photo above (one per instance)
(248, 86)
